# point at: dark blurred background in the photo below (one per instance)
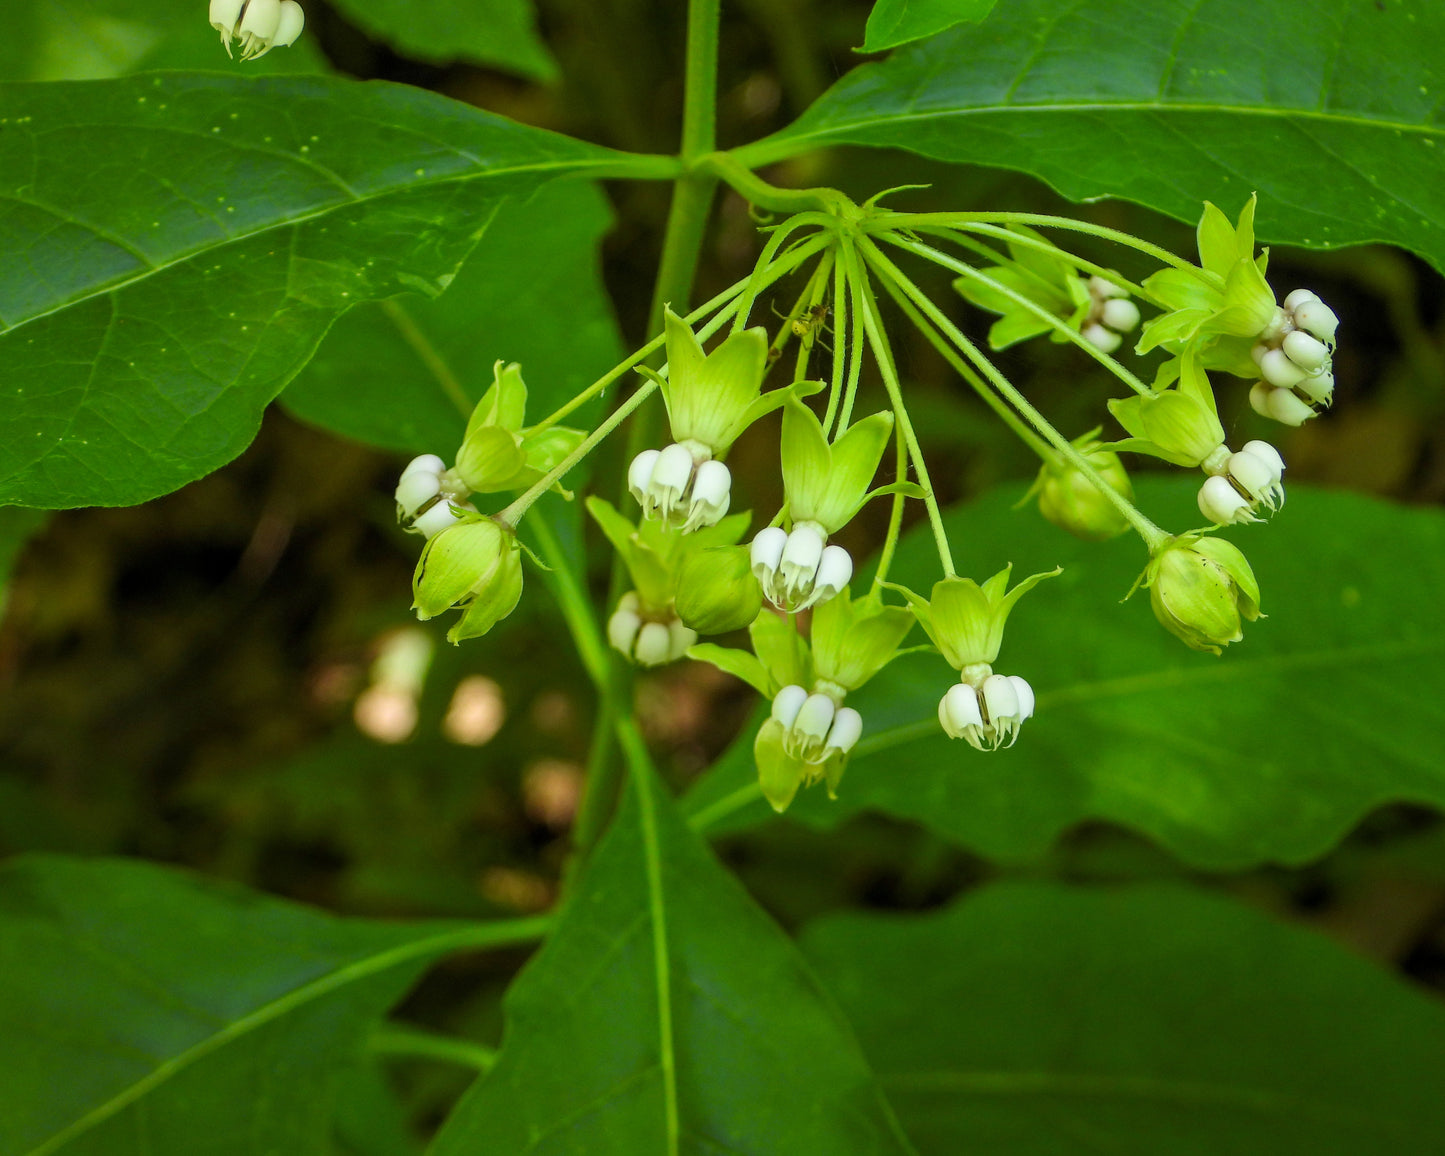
(229, 678)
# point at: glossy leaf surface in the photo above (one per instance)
(895, 22)
(1036, 1020)
(667, 1014)
(177, 248)
(1331, 116)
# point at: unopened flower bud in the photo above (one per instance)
(654, 644)
(1305, 351)
(1120, 315)
(1318, 388)
(787, 703)
(1280, 405)
(716, 592)
(847, 728)
(1312, 315)
(1277, 369)
(426, 497)
(1200, 588)
(646, 639)
(1070, 500)
(1257, 469)
(474, 565)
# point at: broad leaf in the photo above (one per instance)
(180, 243)
(1330, 707)
(145, 1011)
(1331, 115)
(498, 32)
(668, 1014)
(1036, 1020)
(404, 374)
(895, 22)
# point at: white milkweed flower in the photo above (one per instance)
(1111, 315)
(989, 716)
(428, 497)
(1294, 355)
(1249, 479)
(814, 726)
(259, 25)
(647, 641)
(682, 485)
(797, 570)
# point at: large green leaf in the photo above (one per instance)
(498, 32)
(1034, 1020)
(149, 1012)
(667, 1014)
(895, 22)
(1331, 113)
(1330, 707)
(177, 245)
(403, 374)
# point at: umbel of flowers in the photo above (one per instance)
(815, 635)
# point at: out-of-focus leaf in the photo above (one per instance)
(403, 374)
(1036, 1020)
(895, 22)
(100, 39)
(148, 1012)
(497, 32)
(1330, 707)
(177, 245)
(668, 1014)
(1333, 118)
(17, 524)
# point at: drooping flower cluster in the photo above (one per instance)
(816, 639)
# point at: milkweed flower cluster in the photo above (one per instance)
(257, 25)
(697, 568)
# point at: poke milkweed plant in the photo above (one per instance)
(177, 244)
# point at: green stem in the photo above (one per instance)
(857, 344)
(1024, 241)
(513, 513)
(1057, 323)
(427, 354)
(813, 293)
(699, 94)
(837, 384)
(400, 1042)
(895, 515)
(759, 192)
(883, 353)
(572, 599)
(1153, 536)
(962, 368)
(1045, 220)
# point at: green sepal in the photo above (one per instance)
(497, 600)
(853, 641)
(652, 576)
(454, 562)
(1069, 498)
(779, 773)
(709, 396)
(497, 453)
(965, 620)
(782, 650)
(828, 484)
(1179, 425)
(738, 663)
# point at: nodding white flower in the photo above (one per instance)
(1294, 359)
(647, 641)
(259, 25)
(1111, 314)
(682, 485)
(428, 497)
(1242, 483)
(797, 570)
(988, 716)
(814, 726)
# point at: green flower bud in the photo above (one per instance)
(1200, 588)
(475, 565)
(828, 484)
(1070, 500)
(965, 620)
(1172, 425)
(716, 592)
(853, 641)
(497, 453)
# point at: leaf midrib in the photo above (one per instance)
(477, 936)
(1130, 1087)
(787, 143)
